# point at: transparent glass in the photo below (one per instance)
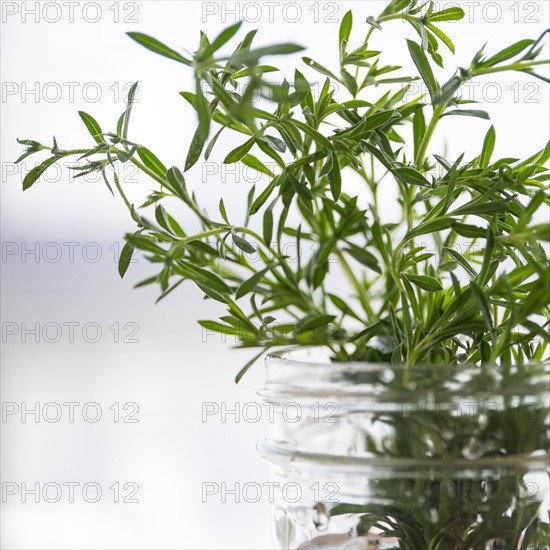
(370, 456)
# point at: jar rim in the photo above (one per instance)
(291, 375)
(288, 357)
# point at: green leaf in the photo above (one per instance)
(125, 258)
(442, 36)
(221, 207)
(268, 223)
(243, 244)
(484, 306)
(239, 152)
(372, 21)
(263, 196)
(127, 113)
(410, 176)
(469, 231)
(93, 127)
(507, 53)
(219, 327)
(364, 257)
(488, 148)
(449, 14)
(468, 112)
(461, 260)
(143, 242)
(318, 137)
(482, 207)
(345, 27)
(252, 162)
(319, 68)
(177, 181)
(433, 226)
(425, 282)
(419, 130)
(486, 267)
(222, 38)
(196, 147)
(243, 371)
(155, 46)
(335, 177)
(151, 161)
(201, 134)
(251, 283)
(276, 143)
(424, 68)
(37, 171)
(252, 56)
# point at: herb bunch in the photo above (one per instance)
(460, 277)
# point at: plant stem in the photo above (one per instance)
(355, 283)
(437, 113)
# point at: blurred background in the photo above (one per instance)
(122, 427)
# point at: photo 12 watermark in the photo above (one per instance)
(69, 332)
(54, 412)
(69, 492)
(69, 12)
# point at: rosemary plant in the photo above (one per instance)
(460, 277)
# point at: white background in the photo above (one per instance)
(171, 371)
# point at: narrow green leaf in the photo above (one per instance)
(482, 207)
(345, 27)
(253, 56)
(449, 14)
(177, 181)
(239, 152)
(276, 143)
(223, 212)
(335, 178)
(222, 38)
(152, 161)
(319, 68)
(424, 68)
(433, 226)
(128, 112)
(484, 306)
(469, 231)
(419, 130)
(252, 162)
(442, 36)
(425, 282)
(196, 147)
(488, 148)
(203, 129)
(264, 195)
(243, 244)
(250, 284)
(364, 257)
(507, 53)
(155, 46)
(33, 175)
(143, 242)
(461, 260)
(410, 176)
(93, 127)
(125, 258)
(268, 223)
(468, 112)
(219, 327)
(243, 371)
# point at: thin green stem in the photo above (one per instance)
(359, 289)
(437, 114)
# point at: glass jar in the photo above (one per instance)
(373, 456)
